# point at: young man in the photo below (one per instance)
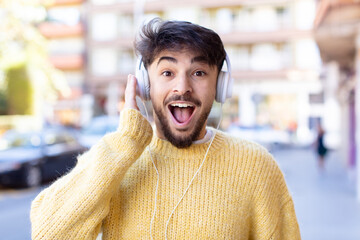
(184, 181)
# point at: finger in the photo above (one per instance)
(130, 93)
(130, 90)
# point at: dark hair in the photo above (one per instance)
(158, 35)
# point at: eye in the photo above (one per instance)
(199, 73)
(167, 74)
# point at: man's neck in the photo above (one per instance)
(206, 138)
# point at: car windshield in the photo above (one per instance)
(13, 139)
(101, 126)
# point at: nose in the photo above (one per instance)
(182, 84)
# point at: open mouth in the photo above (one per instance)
(182, 112)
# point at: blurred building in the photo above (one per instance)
(65, 30)
(337, 33)
(274, 57)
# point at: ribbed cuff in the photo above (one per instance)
(133, 127)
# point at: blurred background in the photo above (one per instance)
(296, 71)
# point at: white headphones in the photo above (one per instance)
(223, 88)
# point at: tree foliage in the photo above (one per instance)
(25, 71)
(20, 92)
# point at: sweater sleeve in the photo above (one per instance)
(287, 226)
(74, 206)
(273, 213)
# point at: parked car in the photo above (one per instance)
(264, 135)
(97, 128)
(29, 158)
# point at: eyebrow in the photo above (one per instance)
(170, 59)
(201, 59)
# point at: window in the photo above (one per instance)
(104, 62)
(103, 27)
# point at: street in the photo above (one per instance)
(14, 213)
(325, 202)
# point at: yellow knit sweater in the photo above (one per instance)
(240, 193)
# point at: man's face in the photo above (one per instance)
(182, 90)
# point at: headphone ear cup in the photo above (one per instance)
(143, 83)
(224, 83)
(222, 87)
(146, 86)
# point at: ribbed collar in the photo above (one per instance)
(165, 148)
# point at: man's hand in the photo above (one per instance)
(130, 93)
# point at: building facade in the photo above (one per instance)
(275, 60)
(337, 33)
(65, 30)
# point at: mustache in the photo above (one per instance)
(185, 97)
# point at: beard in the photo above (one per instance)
(173, 138)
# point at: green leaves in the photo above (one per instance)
(24, 63)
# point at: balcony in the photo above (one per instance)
(127, 43)
(285, 35)
(162, 5)
(56, 30)
(336, 25)
(68, 62)
(52, 3)
(234, 38)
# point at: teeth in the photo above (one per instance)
(182, 105)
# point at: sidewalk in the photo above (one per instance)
(325, 202)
